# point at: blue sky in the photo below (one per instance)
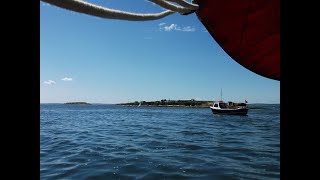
(85, 58)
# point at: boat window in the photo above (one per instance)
(222, 105)
(216, 105)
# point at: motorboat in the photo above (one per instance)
(231, 108)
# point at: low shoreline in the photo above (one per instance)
(170, 103)
(170, 106)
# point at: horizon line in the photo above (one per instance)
(129, 102)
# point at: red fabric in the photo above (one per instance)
(247, 30)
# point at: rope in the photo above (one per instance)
(186, 4)
(103, 12)
(172, 7)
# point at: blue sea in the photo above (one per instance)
(115, 142)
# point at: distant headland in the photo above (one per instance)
(170, 103)
(77, 103)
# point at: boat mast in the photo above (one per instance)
(221, 95)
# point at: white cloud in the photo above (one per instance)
(49, 82)
(170, 28)
(188, 29)
(175, 27)
(66, 79)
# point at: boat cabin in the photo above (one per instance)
(220, 104)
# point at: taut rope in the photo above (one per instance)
(80, 6)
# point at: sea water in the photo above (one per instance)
(115, 142)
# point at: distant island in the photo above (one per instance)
(77, 103)
(170, 103)
(182, 103)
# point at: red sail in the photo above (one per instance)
(247, 30)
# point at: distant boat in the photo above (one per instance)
(231, 108)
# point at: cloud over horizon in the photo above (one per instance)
(49, 82)
(66, 79)
(175, 27)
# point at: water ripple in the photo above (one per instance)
(111, 142)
